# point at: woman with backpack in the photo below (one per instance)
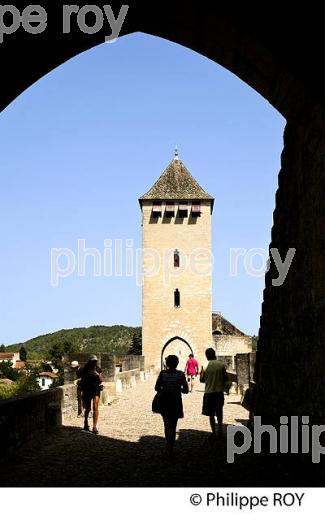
(170, 385)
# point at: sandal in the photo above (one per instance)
(95, 431)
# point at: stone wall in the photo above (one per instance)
(127, 379)
(69, 400)
(229, 345)
(107, 362)
(243, 372)
(23, 418)
(227, 361)
(291, 354)
(240, 370)
(130, 362)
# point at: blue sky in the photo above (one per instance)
(79, 147)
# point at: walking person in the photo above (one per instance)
(91, 386)
(191, 371)
(216, 381)
(170, 385)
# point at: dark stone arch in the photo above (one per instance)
(266, 50)
(169, 342)
(278, 50)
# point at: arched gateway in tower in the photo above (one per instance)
(177, 267)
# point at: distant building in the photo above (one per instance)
(45, 380)
(228, 339)
(10, 356)
(177, 273)
(176, 297)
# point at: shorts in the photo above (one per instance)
(90, 394)
(213, 404)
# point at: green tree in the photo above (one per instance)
(7, 371)
(33, 369)
(23, 354)
(136, 347)
(26, 384)
(2, 348)
(57, 353)
(58, 350)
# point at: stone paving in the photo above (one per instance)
(130, 450)
(130, 418)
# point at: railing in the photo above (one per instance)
(25, 417)
(107, 362)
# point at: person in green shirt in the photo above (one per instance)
(215, 377)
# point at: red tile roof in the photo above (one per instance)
(48, 374)
(6, 355)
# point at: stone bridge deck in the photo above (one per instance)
(130, 450)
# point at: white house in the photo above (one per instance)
(45, 380)
(10, 356)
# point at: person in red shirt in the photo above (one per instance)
(191, 371)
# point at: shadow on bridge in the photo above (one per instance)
(73, 458)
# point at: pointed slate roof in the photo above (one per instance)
(176, 182)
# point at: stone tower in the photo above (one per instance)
(177, 267)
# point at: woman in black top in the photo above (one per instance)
(170, 385)
(91, 386)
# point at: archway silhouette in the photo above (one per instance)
(269, 53)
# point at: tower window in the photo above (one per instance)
(176, 258)
(182, 209)
(170, 209)
(177, 298)
(196, 209)
(156, 209)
